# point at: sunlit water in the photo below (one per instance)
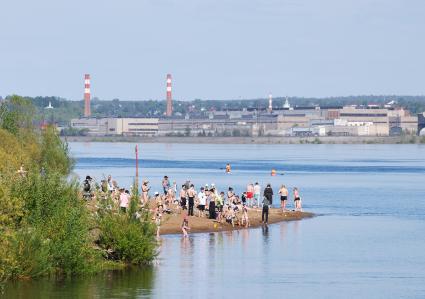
(367, 242)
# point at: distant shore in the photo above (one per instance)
(254, 140)
(172, 223)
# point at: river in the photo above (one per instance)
(367, 241)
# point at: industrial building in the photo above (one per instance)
(271, 121)
(117, 126)
(303, 121)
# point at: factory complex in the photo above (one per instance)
(370, 120)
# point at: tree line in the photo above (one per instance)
(64, 110)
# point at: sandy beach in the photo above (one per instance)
(171, 223)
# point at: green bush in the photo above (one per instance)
(126, 238)
(27, 252)
(52, 206)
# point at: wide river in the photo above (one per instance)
(368, 240)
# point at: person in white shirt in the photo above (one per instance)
(202, 198)
(110, 185)
(257, 193)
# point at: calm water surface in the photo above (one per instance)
(367, 242)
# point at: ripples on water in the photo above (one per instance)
(368, 241)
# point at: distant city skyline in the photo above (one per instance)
(213, 49)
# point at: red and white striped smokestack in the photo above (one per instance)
(87, 112)
(169, 111)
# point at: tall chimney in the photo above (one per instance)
(270, 103)
(169, 111)
(87, 112)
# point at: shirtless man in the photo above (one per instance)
(230, 196)
(183, 195)
(283, 192)
(191, 193)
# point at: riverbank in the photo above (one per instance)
(254, 140)
(171, 224)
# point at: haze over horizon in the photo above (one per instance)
(226, 50)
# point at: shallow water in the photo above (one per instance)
(367, 242)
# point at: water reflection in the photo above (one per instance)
(283, 231)
(131, 283)
(265, 231)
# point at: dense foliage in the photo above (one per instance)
(45, 226)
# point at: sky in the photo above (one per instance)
(214, 49)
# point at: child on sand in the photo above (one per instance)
(185, 226)
(230, 216)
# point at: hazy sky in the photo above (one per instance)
(215, 49)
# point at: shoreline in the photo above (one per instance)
(409, 139)
(171, 224)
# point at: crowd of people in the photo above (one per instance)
(206, 202)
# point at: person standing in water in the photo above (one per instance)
(297, 200)
(283, 192)
(185, 226)
(228, 168)
(267, 201)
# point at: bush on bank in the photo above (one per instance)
(127, 236)
(45, 226)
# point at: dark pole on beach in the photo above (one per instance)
(137, 167)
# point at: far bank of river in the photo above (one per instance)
(254, 140)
